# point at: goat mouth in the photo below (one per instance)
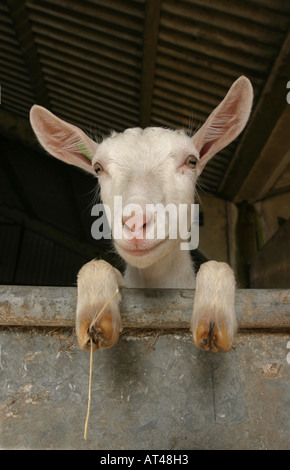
(140, 252)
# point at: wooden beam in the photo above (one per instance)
(150, 43)
(26, 41)
(164, 309)
(270, 164)
(271, 266)
(246, 242)
(271, 105)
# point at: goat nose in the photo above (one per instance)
(136, 223)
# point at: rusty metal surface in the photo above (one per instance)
(148, 392)
(152, 308)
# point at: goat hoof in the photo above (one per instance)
(211, 336)
(104, 333)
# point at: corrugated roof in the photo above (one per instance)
(16, 91)
(90, 54)
(203, 48)
(125, 63)
(91, 57)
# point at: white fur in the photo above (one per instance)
(215, 296)
(148, 167)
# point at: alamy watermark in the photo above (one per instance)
(152, 222)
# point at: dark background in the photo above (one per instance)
(118, 64)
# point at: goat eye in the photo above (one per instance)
(190, 161)
(98, 168)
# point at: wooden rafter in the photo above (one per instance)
(271, 105)
(271, 163)
(26, 41)
(150, 43)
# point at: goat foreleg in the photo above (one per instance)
(214, 322)
(97, 283)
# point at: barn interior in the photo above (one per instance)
(114, 64)
(119, 64)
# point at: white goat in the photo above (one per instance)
(150, 166)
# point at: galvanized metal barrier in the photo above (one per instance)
(153, 390)
(140, 308)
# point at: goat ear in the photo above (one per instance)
(62, 140)
(226, 122)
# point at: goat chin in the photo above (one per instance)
(147, 256)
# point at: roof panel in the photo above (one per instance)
(101, 47)
(203, 48)
(90, 55)
(17, 93)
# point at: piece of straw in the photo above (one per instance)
(90, 392)
(91, 361)
(102, 309)
(83, 149)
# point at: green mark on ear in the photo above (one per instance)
(82, 148)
